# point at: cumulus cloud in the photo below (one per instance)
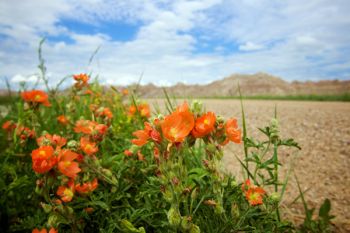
(177, 40)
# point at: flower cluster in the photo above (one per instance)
(81, 80)
(22, 132)
(182, 124)
(143, 109)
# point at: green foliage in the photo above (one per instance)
(159, 185)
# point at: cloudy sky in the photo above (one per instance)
(170, 41)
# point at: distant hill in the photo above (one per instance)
(251, 85)
(259, 84)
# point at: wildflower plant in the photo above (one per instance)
(99, 161)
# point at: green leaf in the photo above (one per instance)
(324, 209)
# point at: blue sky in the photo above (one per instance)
(172, 41)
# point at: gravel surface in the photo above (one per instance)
(322, 129)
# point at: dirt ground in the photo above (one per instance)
(322, 129)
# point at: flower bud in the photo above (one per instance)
(47, 208)
(235, 210)
(174, 216)
(72, 145)
(52, 220)
(275, 197)
(234, 184)
(194, 229)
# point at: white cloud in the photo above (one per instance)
(20, 78)
(250, 46)
(293, 39)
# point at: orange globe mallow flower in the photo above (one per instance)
(144, 110)
(36, 97)
(9, 126)
(147, 133)
(232, 132)
(204, 125)
(104, 112)
(178, 125)
(82, 80)
(88, 146)
(90, 127)
(62, 119)
(254, 195)
(246, 185)
(132, 110)
(84, 126)
(66, 165)
(24, 132)
(43, 159)
(52, 140)
(87, 187)
(66, 193)
(128, 153)
(142, 135)
(125, 92)
(52, 230)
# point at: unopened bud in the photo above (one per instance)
(275, 197)
(174, 216)
(47, 208)
(72, 145)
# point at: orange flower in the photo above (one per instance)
(101, 129)
(54, 140)
(142, 137)
(128, 153)
(88, 92)
(254, 195)
(232, 132)
(145, 134)
(87, 146)
(131, 110)
(81, 77)
(43, 159)
(36, 96)
(105, 112)
(87, 187)
(9, 126)
(144, 110)
(125, 91)
(204, 125)
(82, 80)
(155, 135)
(66, 164)
(52, 230)
(62, 119)
(66, 193)
(246, 185)
(90, 127)
(84, 126)
(24, 132)
(178, 125)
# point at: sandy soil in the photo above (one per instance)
(322, 129)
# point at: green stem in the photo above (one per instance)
(275, 158)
